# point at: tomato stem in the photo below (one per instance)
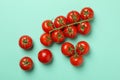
(70, 25)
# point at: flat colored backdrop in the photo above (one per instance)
(19, 17)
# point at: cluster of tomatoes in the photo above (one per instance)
(66, 27)
(57, 31)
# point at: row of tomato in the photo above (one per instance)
(69, 26)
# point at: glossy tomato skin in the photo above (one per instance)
(82, 48)
(70, 32)
(45, 56)
(26, 63)
(25, 42)
(47, 26)
(67, 49)
(76, 60)
(58, 36)
(45, 39)
(84, 28)
(86, 13)
(73, 16)
(60, 21)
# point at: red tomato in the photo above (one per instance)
(26, 63)
(73, 16)
(60, 21)
(58, 36)
(82, 48)
(25, 42)
(45, 56)
(67, 49)
(45, 39)
(87, 13)
(76, 60)
(70, 32)
(47, 26)
(84, 28)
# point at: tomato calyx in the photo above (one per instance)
(81, 48)
(82, 28)
(70, 30)
(25, 41)
(50, 24)
(68, 25)
(86, 13)
(25, 62)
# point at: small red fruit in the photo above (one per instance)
(76, 60)
(25, 42)
(84, 28)
(45, 39)
(60, 21)
(82, 48)
(70, 32)
(86, 13)
(26, 63)
(67, 49)
(73, 16)
(47, 26)
(45, 56)
(58, 36)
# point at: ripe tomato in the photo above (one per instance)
(58, 36)
(60, 21)
(70, 32)
(67, 49)
(45, 56)
(76, 60)
(45, 39)
(84, 28)
(26, 63)
(47, 26)
(25, 42)
(86, 13)
(73, 16)
(82, 48)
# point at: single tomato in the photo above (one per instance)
(58, 36)
(73, 16)
(47, 26)
(84, 28)
(45, 56)
(67, 49)
(26, 63)
(25, 42)
(60, 21)
(86, 13)
(45, 39)
(82, 48)
(76, 60)
(70, 32)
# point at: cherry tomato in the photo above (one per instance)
(45, 39)
(26, 63)
(45, 56)
(58, 36)
(86, 13)
(60, 21)
(67, 49)
(84, 28)
(47, 26)
(82, 48)
(25, 42)
(76, 60)
(73, 16)
(70, 32)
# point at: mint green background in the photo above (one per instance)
(19, 17)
